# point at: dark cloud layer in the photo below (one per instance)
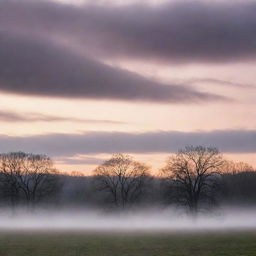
(56, 50)
(56, 145)
(36, 67)
(185, 31)
(12, 117)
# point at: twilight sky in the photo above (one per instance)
(81, 80)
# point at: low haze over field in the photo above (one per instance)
(81, 80)
(151, 220)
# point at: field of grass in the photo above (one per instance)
(106, 244)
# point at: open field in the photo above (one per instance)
(120, 244)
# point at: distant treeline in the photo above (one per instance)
(196, 178)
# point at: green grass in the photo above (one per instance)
(104, 244)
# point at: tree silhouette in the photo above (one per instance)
(193, 172)
(123, 178)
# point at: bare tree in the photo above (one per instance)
(28, 174)
(123, 178)
(10, 165)
(231, 167)
(194, 171)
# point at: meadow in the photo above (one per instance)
(73, 243)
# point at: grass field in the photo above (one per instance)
(105, 244)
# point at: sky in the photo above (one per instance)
(81, 80)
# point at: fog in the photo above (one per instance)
(153, 220)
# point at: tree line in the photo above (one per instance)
(196, 178)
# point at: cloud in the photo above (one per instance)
(181, 31)
(9, 116)
(64, 145)
(220, 82)
(82, 160)
(36, 67)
